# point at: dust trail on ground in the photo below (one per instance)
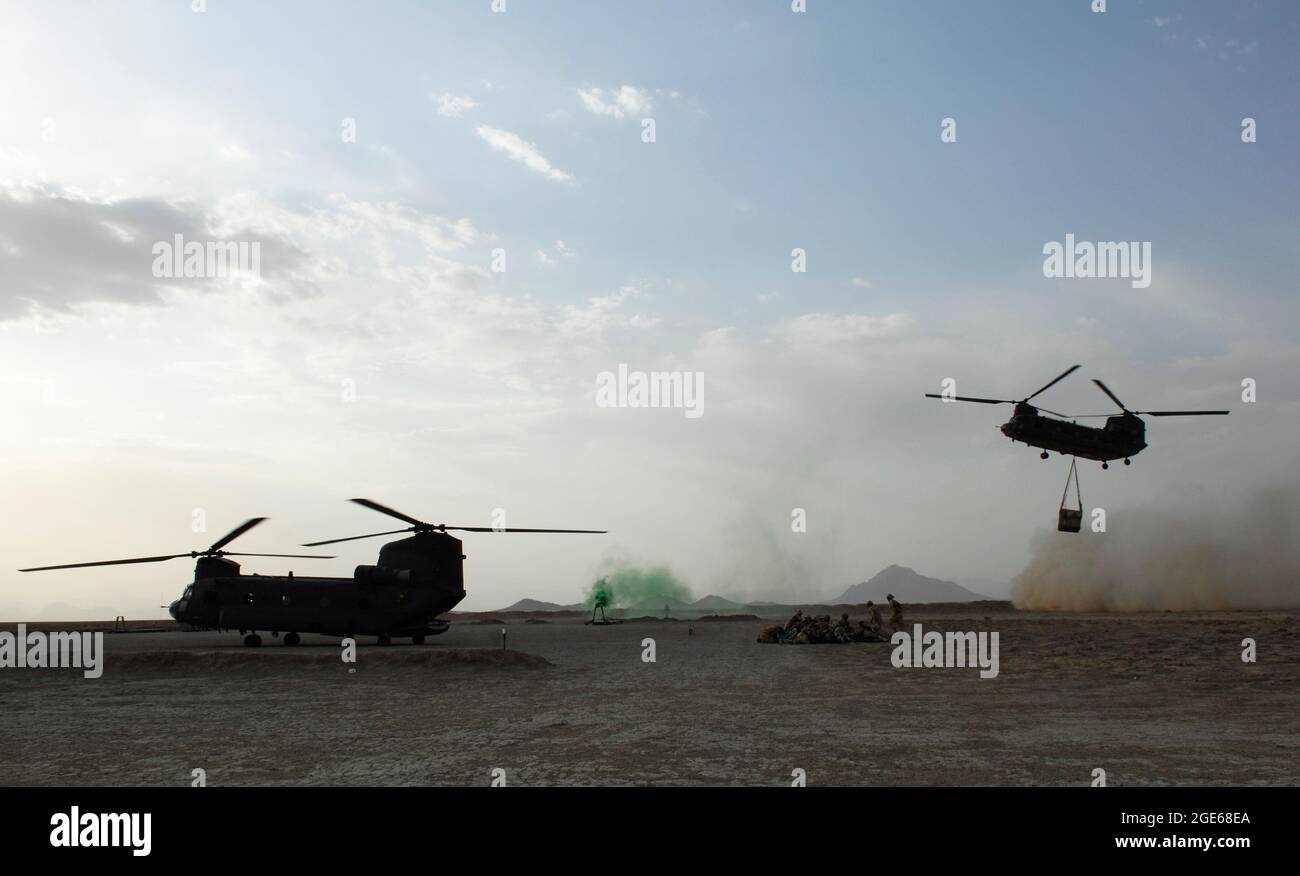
(1212, 555)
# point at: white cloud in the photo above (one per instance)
(1238, 47)
(561, 251)
(453, 106)
(830, 328)
(518, 149)
(641, 321)
(861, 282)
(592, 321)
(60, 250)
(233, 152)
(618, 103)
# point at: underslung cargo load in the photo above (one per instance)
(1071, 519)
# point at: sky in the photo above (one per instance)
(390, 158)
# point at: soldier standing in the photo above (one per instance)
(874, 621)
(895, 613)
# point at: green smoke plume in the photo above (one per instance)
(628, 586)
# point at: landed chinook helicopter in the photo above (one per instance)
(414, 580)
(1123, 436)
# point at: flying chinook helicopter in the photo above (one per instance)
(415, 580)
(1123, 436)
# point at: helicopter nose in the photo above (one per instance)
(171, 609)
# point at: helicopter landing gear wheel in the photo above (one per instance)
(252, 640)
(385, 640)
(1128, 462)
(291, 639)
(1105, 465)
(1043, 455)
(417, 640)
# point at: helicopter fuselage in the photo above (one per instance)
(416, 580)
(1123, 436)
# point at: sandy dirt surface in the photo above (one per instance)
(1153, 699)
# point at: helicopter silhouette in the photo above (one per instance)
(1123, 436)
(414, 580)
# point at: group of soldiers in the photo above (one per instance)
(821, 630)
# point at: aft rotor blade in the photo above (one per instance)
(983, 401)
(353, 538)
(293, 556)
(383, 509)
(107, 563)
(1064, 374)
(507, 529)
(1183, 413)
(236, 533)
(1113, 397)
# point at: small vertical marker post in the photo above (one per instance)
(503, 638)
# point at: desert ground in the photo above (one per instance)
(1153, 699)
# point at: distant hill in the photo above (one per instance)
(716, 603)
(538, 605)
(907, 585)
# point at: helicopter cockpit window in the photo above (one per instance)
(188, 594)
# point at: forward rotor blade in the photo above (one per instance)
(1113, 397)
(509, 529)
(1064, 374)
(383, 509)
(106, 563)
(983, 401)
(236, 533)
(353, 538)
(1182, 413)
(293, 556)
